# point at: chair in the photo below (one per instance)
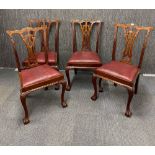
(53, 55)
(85, 58)
(123, 72)
(34, 76)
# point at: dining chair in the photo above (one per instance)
(123, 72)
(34, 76)
(85, 58)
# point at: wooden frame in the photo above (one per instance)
(86, 28)
(28, 36)
(131, 32)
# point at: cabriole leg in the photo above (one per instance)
(68, 79)
(23, 101)
(94, 97)
(128, 112)
(63, 103)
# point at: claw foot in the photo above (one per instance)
(64, 105)
(128, 113)
(68, 88)
(94, 97)
(26, 121)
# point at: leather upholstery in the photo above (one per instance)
(52, 58)
(118, 70)
(39, 75)
(82, 58)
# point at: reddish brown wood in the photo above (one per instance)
(94, 97)
(86, 27)
(128, 112)
(23, 101)
(131, 32)
(28, 75)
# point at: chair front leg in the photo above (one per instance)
(63, 103)
(100, 85)
(128, 112)
(68, 88)
(94, 97)
(23, 101)
(136, 84)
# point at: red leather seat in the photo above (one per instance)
(40, 56)
(85, 58)
(118, 70)
(40, 75)
(52, 57)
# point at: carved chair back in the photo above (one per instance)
(131, 33)
(49, 24)
(86, 29)
(28, 36)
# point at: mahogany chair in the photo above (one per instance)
(34, 76)
(53, 55)
(84, 58)
(123, 72)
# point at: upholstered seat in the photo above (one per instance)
(40, 56)
(119, 70)
(85, 58)
(52, 57)
(40, 75)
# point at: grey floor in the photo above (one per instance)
(84, 122)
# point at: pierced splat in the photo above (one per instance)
(86, 28)
(130, 35)
(48, 23)
(131, 32)
(28, 36)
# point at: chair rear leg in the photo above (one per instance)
(23, 101)
(136, 84)
(63, 103)
(100, 85)
(75, 71)
(46, 88)
(94, 97)
(68, 88)
(128, 112)
(115, 84)
(57, 87)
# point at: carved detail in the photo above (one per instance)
(28, 36)
(130, 36)
(48, 23)
(86, 29)
(131, 32)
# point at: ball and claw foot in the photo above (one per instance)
(26, 121)
(128, 113)
(94, 97)
(68, 88)
(64, 104)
